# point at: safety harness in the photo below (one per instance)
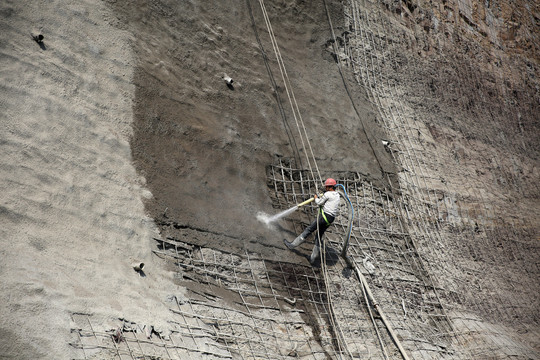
(324, 216)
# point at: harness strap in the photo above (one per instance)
(324, 217)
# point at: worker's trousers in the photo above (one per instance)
(321, 224)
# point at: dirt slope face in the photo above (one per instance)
(458, 81)
(203, 146)
(72, 218)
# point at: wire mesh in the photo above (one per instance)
(454, 280)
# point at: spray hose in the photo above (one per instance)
(365, 287)
(344, 195)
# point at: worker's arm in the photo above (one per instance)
(320, 200)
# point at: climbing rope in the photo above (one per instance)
(340, 338)
(290, 95)
(299, 122)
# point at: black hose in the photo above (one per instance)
(343, 194)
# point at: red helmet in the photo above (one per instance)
(330, 182)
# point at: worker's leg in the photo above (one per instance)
(318, 225)
(295, 243)
(318, 236)
(302, 237)
(323, 225)
(321, 228)
(314, 253)
(311, 228)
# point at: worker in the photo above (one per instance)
(328, 207)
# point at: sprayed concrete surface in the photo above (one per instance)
(204, 147)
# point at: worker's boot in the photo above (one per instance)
(314, 254)
(291, 245)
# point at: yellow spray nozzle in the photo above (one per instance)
(305, 202)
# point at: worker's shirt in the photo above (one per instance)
(330, 202)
